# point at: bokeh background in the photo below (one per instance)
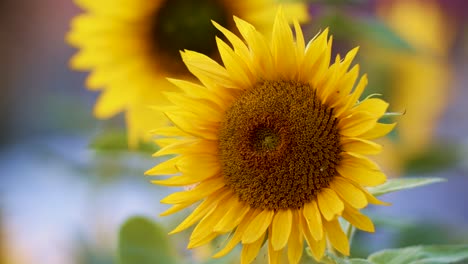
(67, 182)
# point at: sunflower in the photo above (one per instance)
(273, 144)
(130, 46)
(430, 33)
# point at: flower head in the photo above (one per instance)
(130, 46)
(274, 143)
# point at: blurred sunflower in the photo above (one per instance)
(419, 75)
(130, 46)
(273, 144)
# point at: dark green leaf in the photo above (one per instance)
(141, 241)
(359, 261)
(421, 255)
(378, 32)
(116, 141)
(394, 185)
(433, 159)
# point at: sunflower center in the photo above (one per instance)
(279, 145)
(186, 24)
(265, 138)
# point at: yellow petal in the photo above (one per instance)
(250, 251)
(375, 106)
(109, 103)
(283, 46)
(258, 226)
(205, 208)
(164, 168)
(317, 247)
(358, 220)
(236, 238)
(300, 44)
(314, 219)
(281, 228)
(361, 170)
(371, 198)
(193, 126)
(198, 91)
(203, 232)
(316, 58)
(329, 203)
(196, 106)
(233, 216)
(337, 237)
(351, 194)
(176, 208)
(239, 46)
(356, 124)
(200, 191)
(296, 241)
(201, 164)
(274, 256)
(361, 146)
(236, 66)
(379, 130)
(204, 67)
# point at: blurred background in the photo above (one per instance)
(67, 181)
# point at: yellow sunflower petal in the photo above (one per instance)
(164, 168)
(258, 226)
(205, 68)
(202, 190)
(176, 208)
(233, 216)
(379, 130)
(314, 219)
(351, 194)
(329, 203)
(360, 169)
(236, 238)
(356, 124)
(250, 251)
(361, 146)
(203, 232)
(296, 241)
(317, 247)
(281, 229)
(336, 236)
(236, 67)
(274, 256)
(282, 47)
(358, 220)
(375, 106)
(205, 208)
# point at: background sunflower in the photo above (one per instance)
(56, 187)
(130, 47)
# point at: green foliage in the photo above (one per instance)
(365, 29)
(374, 30)
(421, 255)
(144, 242)
(117, 141)
(436, 157)
(394, 185)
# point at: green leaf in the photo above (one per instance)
(435, 158)
(365, 29)
(394, 185)
(421, 255)
(143, 241)
(359, 261)
(117, 141)
(378, 32)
